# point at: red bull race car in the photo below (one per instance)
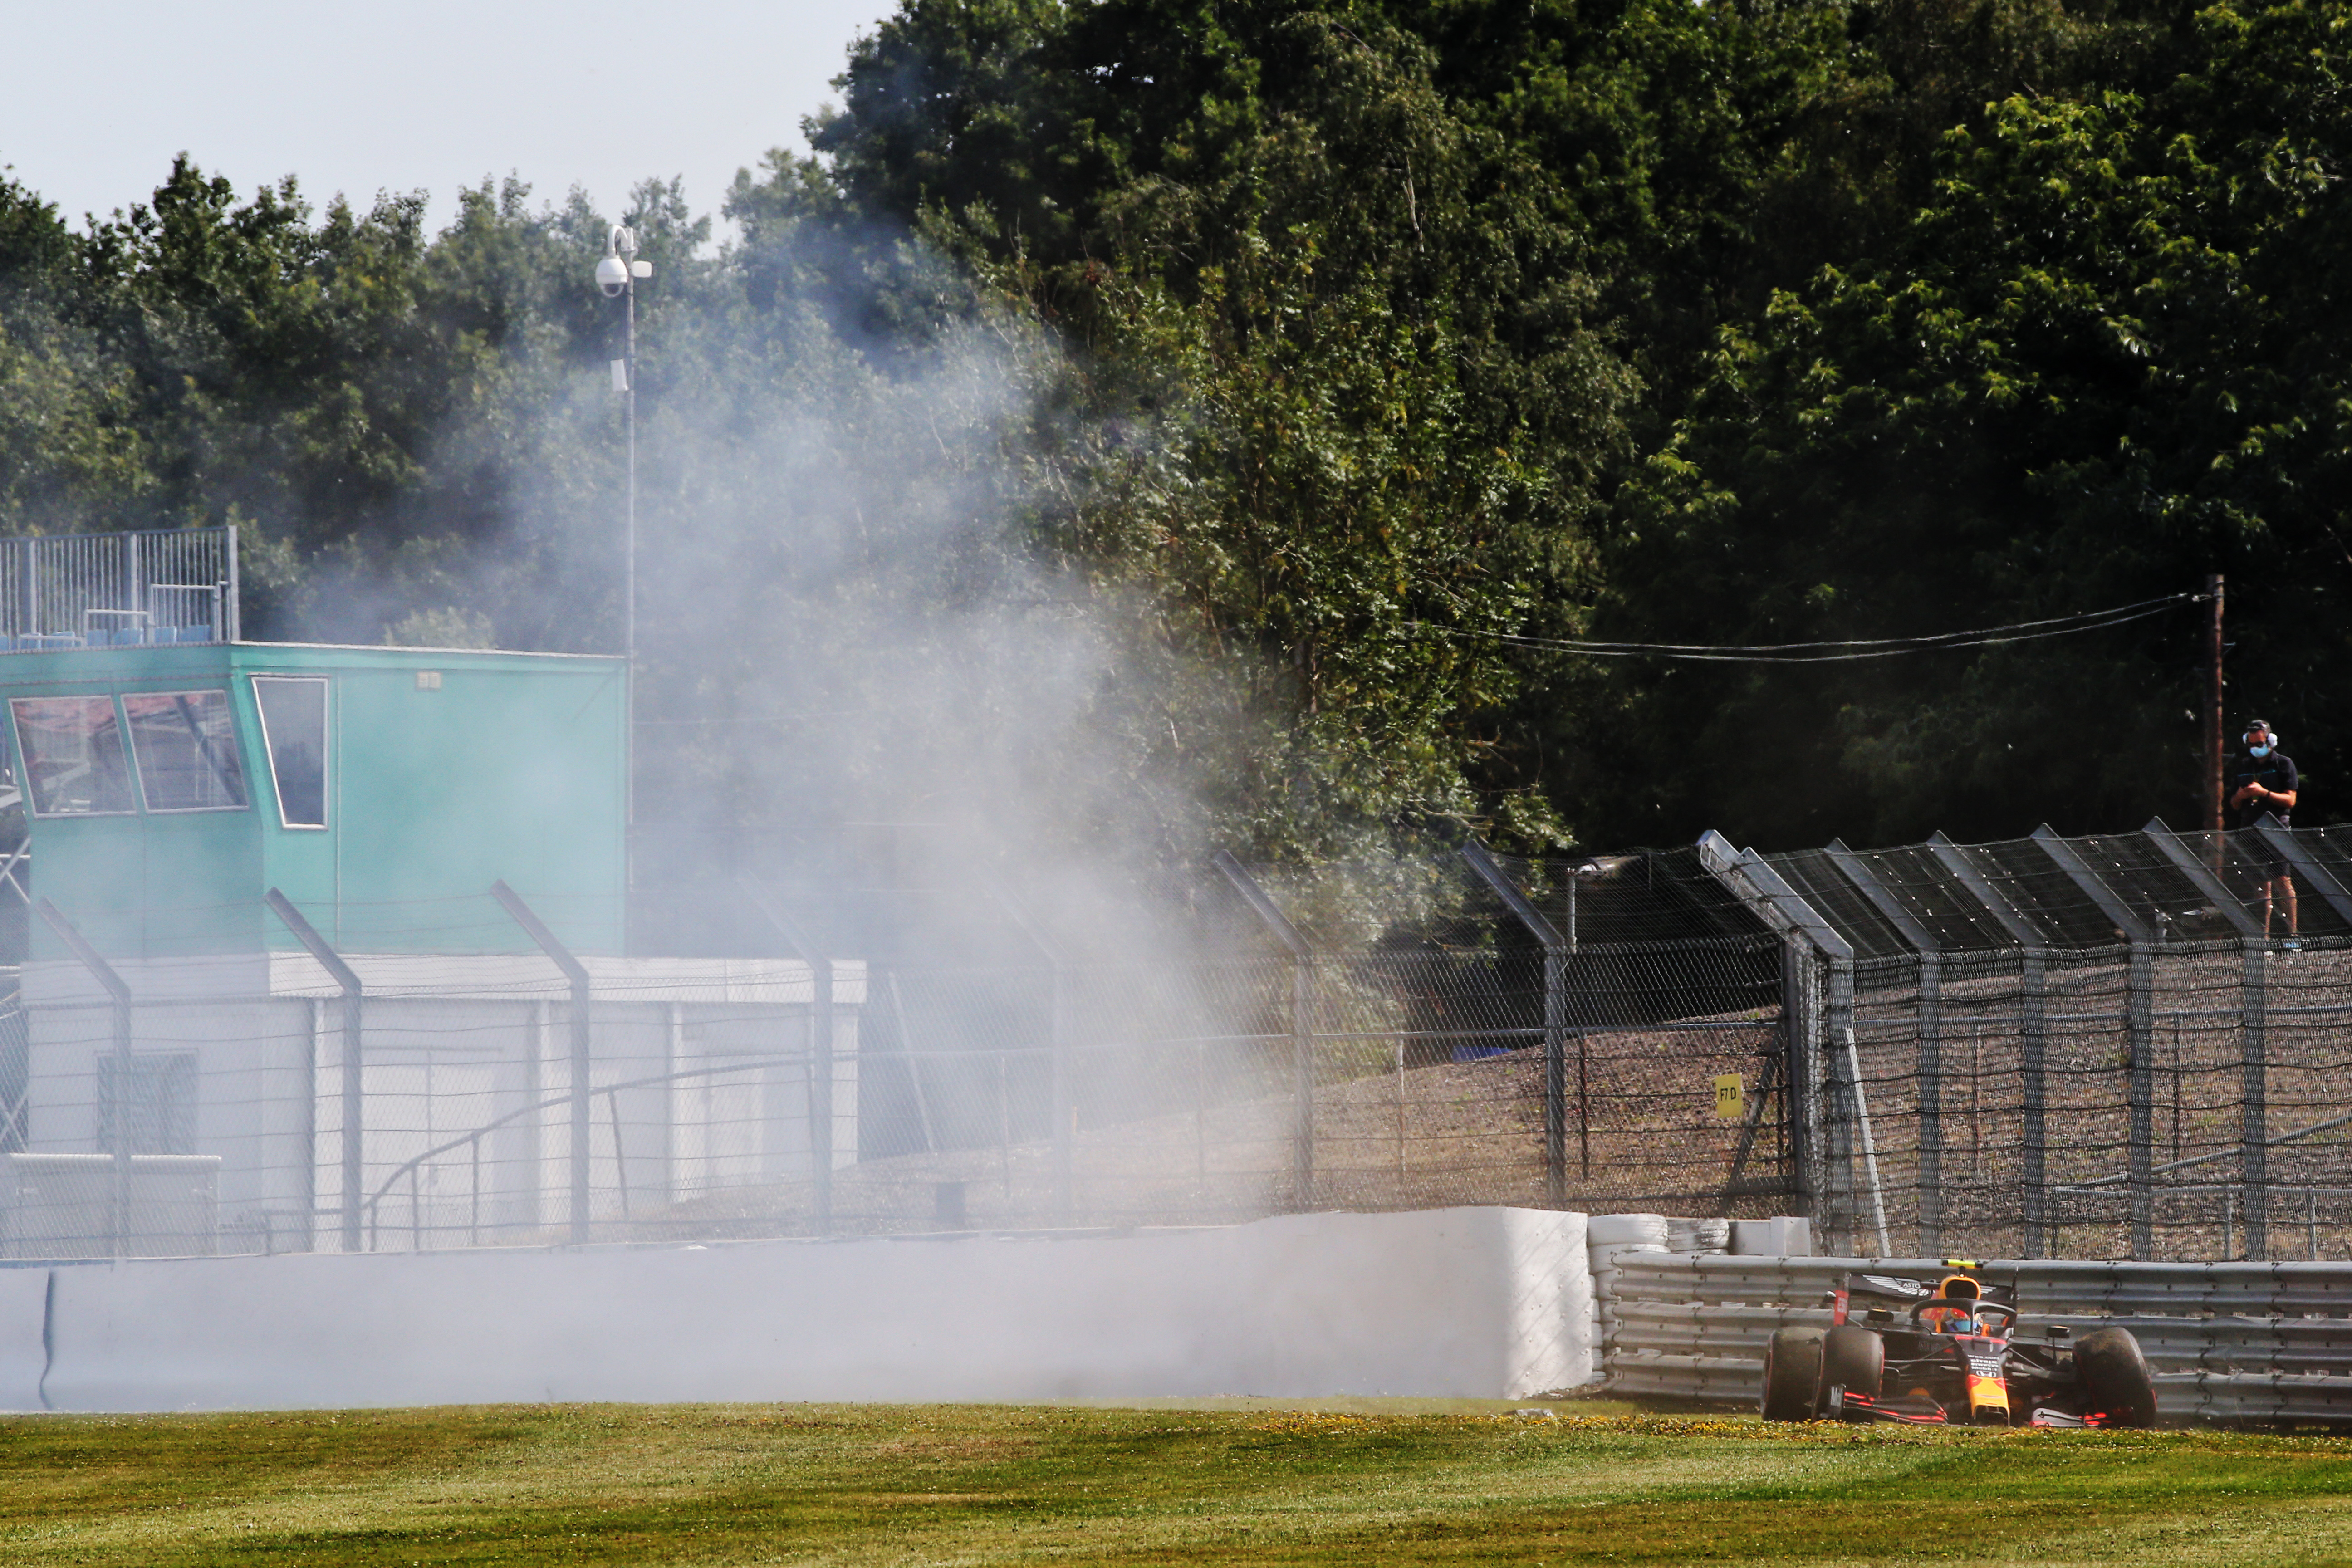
(1901, 1350)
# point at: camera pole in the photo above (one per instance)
(617, 276)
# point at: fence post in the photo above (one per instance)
(2253, 1119)
(1063, 1103)
(118, 1134)
(577, 974)
(2139, 1029)
(2033, 1102)
(1931, 951)
(820, 1106)
(2254, 1007)
(1554, 1016)
(1745, 875)
(1302, 1025)
(2254, 1114)
(232, 624)
(2033, 962)
(354, 1140)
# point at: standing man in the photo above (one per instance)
(2266, 784)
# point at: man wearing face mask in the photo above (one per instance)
(2266, 785)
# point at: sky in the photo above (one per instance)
(425, 94)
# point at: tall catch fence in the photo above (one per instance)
(2084, 1047)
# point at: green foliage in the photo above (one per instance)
(1335, 407)
(2096, 365)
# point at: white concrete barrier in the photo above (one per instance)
(24, 1295)
(1470, 1302)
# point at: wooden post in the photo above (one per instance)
(2216, 741)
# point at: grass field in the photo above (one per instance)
(1389, 1482)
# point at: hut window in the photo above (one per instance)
(294, 730)
(72, 748)
(185, 745)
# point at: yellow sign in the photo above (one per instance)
(1728, 1100)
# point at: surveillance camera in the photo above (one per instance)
(612, 277)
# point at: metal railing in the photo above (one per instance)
(1923, 1050)
(102, 590)
(471, 1140)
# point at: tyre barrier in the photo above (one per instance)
(2230, 1343)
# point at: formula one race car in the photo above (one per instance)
(1945, 1353)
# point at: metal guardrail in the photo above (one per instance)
(471, 1140)
(102, 590)
(2240, 1343)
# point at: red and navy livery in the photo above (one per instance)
(1948, 1354)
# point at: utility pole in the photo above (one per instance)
(2215, 749)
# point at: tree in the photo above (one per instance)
(2091, 373)
(1334, 408)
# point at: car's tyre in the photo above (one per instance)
(1854, 1360)
(1793, 1374)
(2115, 1379)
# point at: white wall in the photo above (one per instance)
(21, 1358)
(1476, 1303)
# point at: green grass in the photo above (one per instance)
(1391, 1482)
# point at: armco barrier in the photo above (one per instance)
(2235, 1342)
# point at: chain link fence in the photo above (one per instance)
(2083, 1047)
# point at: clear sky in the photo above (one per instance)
(430, 94)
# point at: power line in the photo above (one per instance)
(1892, 642)
(1860, 647)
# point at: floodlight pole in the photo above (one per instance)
(629, 418)
(617, 276)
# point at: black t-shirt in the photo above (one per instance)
(2274, 772)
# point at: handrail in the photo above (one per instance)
(560, 1102)
(372, 1205)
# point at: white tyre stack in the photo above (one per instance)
(1699, 1235)
(1609, 1237)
